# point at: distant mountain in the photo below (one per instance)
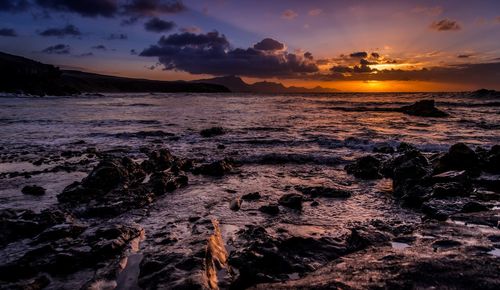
(236, 84)
(22, 75)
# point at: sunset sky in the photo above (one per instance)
(347, 44)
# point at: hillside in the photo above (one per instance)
(22, 75)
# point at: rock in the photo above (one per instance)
(384, 148)
(361, 238)
(441, 190)
(404, 147)
(459, 157)
(221, 146)
(474, 206)
(235, 204)
(493, 159)
(446, 243)
(320, 191)
(367, 167)
(217, 168)
(251, 196)
(271, 209)
(424, 108)
(33, 190)
(213, 131)
(314, 203)
(291, 200)
(158, 160)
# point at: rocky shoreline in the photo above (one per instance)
(90, 238)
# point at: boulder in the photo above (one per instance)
(251, 196)
(366, 167)
(424, 108)
(216, 168)
(33, 190)
(458, 157)
(291, 200)
(213, 131)
(270, 209)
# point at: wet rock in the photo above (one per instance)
(367, 167)
(291, 200)
(235, 204)
(405, 147)
(16, 224)
(384, 148)
(474, 206)
(33, 190)
(493, 159)
(271, 209)
(446, 243)
(213, 131)
(159, 160)
(217, 168)
(251, 196)
(163, 182)
(424, 108)
(320, 191)
(314, 203)
(361, 238)
(458, 157)
(441, 190)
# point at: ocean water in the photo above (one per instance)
(281, 141)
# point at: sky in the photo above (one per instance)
(350, 45)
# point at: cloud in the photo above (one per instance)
(68, 30)
(119, 36)
(375, 55)
(211, 53)
(133, 52)
(464, 55)
(315, 12)
(8, 32)
(100, 47)
(153, 7)
(86, 54)
(269, 44)
(157, 25)
(87, 8)
(289, 14)
(359, 54)
(57, 49)
(13, 5)
(445, 25)
(191, 29)
(361, 68)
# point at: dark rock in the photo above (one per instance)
(404, 147)
(446, 243)
(291, 200)
(217, 168)
(474, 206)
(367, 167)
(235, 204)
(314, 203)
(441, 190)
(158, 160)
(320, 191)
(271, 209)
(361, 238)
(493, 159)
(33, 190)
(458, 157)
(424, 108)
(213, 131)
(221, 146)
(384, 148)
(251, 196)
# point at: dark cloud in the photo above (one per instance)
(87, 8)
(86, 54)
(375, 55)
(9, 32)
(157, 25)
(357, 69)
(133, 52)
(57, 49)
(366, 62)
(129, 21)
(445, 25)
(360, 54)
(308, 55)
(119, 36)
(153, 7)
(211, 53)
(464, 55)
(269, 44)
(68, 30)
(13, 5)
(100, 47)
